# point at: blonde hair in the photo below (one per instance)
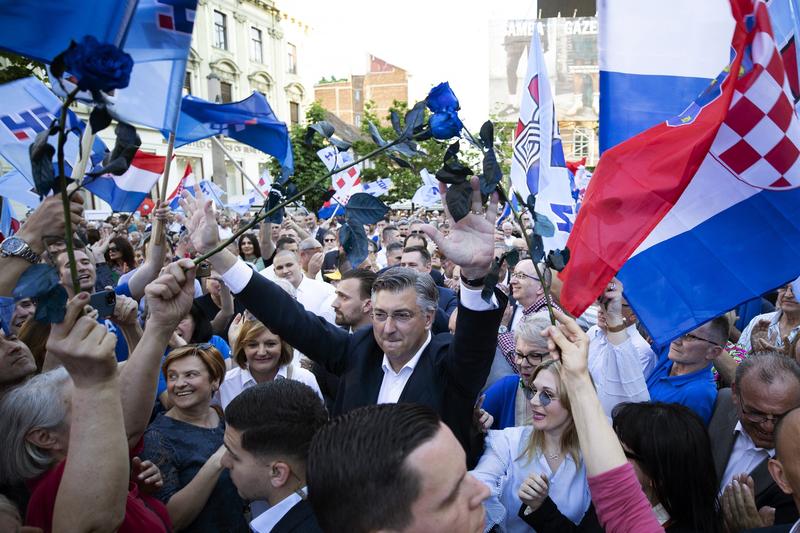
(569, 438)
(251, 330)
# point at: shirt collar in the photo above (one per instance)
(412, 363)
(267, 520)
(247, 377)
(739, 430)
(538, 305)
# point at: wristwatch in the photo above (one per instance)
(16, 247)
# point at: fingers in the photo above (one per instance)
(433, 234)
(443, 194)
(572, 327)
(491, 210)
(476, 200)
(74, 309)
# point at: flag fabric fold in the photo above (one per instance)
(249, 121)
(702, 209)
(126, 193)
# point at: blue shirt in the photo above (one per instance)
(121, 349)
(500, 401)
(696, 390)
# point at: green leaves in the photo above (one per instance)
(41, 282)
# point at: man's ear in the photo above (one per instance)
(279, 474)
(366, 307)
(776, 471)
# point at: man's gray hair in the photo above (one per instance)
(768, 367)
(398, 279)
(309, 244)
(530, 328)
(36, 404)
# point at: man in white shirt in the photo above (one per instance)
(268, 429)
(316, 296)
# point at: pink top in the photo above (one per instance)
(620, 504)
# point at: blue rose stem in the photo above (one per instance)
(62, 178)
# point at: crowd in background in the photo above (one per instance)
(277, 387)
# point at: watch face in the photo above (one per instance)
(12, 245)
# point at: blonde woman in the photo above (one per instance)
(548, 448)
(261, 356)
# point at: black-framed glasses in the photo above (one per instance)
(759, 418)
(522, 275)
(112, 248)
(696, 338)
(533, 358)
(399, 316)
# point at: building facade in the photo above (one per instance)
(382, 84)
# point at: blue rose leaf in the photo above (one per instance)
(363, 208)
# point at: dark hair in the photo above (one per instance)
(366, 279)
(92, 235)
(202, 325)
(277, 417)
(423, 252)
(416, 236)
(358, 479)
(388, 228)
(254, 241)
(670, 444)
(392, 246)
(720, 328)
(283, 241)
(770, 366)
(126, 249)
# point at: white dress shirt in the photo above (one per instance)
(238, 379)
(505, 465)
(744, 457)
(267, 520)
(618, 370)
(394, 382)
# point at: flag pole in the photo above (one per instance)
(87, 140)
(158, 230)
(237, 165)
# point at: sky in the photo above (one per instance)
(434, 40)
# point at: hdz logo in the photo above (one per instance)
(181, 15)
(27, 124)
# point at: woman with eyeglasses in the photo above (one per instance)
(330, 241)
(507, 400)
(546, 453)
(186, 444)
(261, 356)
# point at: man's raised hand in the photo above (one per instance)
(201, 222)
(170, 295)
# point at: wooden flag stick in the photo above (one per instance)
(238, 166)
(158, 230)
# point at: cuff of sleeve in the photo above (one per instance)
(237, 277)
(471, 299)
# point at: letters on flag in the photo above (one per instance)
(378, 187)
(249, 121)
(428, 193)
(538, 166)
(344, 183)
(696, 203)
(126, 193)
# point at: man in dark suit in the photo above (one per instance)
(397, 359)
(268, 430)
(418, 258)
(766, 387)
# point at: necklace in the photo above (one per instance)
(553, 456)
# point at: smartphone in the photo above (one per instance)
(104, 302)
(203, 270)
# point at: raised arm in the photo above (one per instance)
(155, 257)
(265, 240)
(97, 443)
(169, 299)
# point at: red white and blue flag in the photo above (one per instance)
(187, 182)
(538, 166)
(703, 210)
(126, 193)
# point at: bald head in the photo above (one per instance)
(785, 467)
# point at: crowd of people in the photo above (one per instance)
(277, 387)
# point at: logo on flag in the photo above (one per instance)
(36, 120)
(179, 17)
(527, 138)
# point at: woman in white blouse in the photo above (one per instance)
(261, 356)
(548, 448)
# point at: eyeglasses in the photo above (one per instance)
(329, 240)
(399, 316)
(533, 358)
(545, 398)
(760, 418)
(112, 248)
(521, 275)
(696, 338)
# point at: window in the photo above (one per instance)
(582, 139)
(294, 113)
(187, 83)
(256, 46)
(220, 30)
(225, 92)
(292, 59)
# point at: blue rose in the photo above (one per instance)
(445, 125)
(97, 66)
(442, 98)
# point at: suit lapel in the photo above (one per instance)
(300, 512)
(726, 441)
(418, 386)
(373, 376)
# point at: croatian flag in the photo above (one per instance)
(187, 182)
(345, 183)
(538, 166)
(703, 210)
(126, 193)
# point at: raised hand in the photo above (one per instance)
(47, 220)
(569, 344)
(125, 311)
(470, 243)
(170, 295)
(759, 336)
(84, 346)
(739, 506)
(534, 490)
(201, 222)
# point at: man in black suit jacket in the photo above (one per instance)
(397, 359)
(268, 430)
(766, 387)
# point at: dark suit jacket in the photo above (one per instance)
(448, 377)
(299, 519)
(448, 302)
(720, 429)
